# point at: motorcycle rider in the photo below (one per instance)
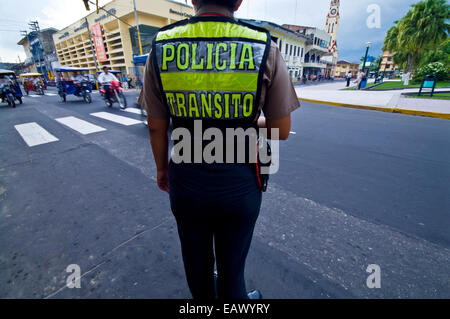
(105, 78)
(4, 80)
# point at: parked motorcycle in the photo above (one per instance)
(115, 94)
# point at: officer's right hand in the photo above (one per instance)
(162, 179)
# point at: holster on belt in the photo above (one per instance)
(262, 166)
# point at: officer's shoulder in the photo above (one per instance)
(174, 25)
(251, 26)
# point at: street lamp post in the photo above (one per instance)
(378, 69)
(368, 44)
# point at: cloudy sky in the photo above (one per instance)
(353, 31)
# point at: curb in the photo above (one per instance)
(382, 109)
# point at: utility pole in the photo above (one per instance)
(34, 25)
(25, 33)
(92, 48)
(92, 44)
(137, 26)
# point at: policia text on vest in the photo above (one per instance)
(205, 77)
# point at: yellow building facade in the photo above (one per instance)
(73, 46)
(343, 67)
(387, 64)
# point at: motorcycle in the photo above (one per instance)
(39, 89)
(8, 94)
(115, 94)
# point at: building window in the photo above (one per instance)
(281, 45)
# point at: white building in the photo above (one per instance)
(292, 45)
(302, 48)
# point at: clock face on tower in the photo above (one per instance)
(333, 12)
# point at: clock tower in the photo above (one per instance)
(331, 27)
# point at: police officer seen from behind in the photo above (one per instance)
(216, 69)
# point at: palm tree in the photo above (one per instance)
(422, 29)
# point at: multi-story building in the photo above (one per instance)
(316, 48)
(302, 48)
(39, 56)
(115, 41)
(343, 67)
(292, 45)
(387, 64)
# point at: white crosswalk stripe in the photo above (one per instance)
(116, 118)
(134, 110)
(33, 134)
(51, 94)
(80, 126)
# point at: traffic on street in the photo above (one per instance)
(355, 188)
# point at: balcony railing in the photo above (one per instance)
(318, 48)
(315, 64)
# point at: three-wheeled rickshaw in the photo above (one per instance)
(72, 81)
(9, 88)
(33, 82)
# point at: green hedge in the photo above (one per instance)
(437, 69)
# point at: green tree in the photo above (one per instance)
(422, 29)
(440, 54)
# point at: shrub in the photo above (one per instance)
(437, 69)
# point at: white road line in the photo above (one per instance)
(116, 118)
(79, 125)
(293, 133)
(34, 95)
(134, 110)
(51, 94)
(33, 134)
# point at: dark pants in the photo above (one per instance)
(216, 209)
(107, 88)
(348, 82)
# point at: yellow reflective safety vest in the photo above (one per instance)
(211, 68)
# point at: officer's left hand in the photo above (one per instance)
(162, 179)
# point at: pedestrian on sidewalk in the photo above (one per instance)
(215, 203)
(349, 78)
(130, 82)
(359, 78)
(125, 81)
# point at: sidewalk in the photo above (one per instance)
(386, 101)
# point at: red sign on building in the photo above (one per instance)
(98, 42)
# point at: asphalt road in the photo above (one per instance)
(355, 188)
